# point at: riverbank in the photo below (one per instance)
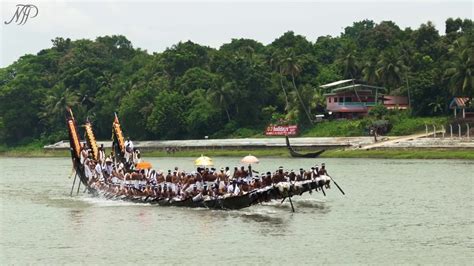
(390, 153)
(467, 154)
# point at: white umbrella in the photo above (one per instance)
(249, 159)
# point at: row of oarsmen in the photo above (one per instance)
(204, 181)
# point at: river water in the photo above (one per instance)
(394, 211)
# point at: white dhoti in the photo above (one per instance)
(170, 185)
(221, 185)
(189, 189)
(325, 178)
(199, 185)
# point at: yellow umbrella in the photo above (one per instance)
(249, 159)
(203, 161)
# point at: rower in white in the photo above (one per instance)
(128, 149)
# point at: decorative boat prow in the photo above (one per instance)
(75, 147)
(118, 141)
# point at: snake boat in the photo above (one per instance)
(279, 191)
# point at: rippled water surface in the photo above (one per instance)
(394, 211)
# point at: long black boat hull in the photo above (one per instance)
(275, 192)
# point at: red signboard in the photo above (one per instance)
(290, 130)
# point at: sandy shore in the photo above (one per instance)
(262, 143)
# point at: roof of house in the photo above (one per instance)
(356, 87)
(335, 83)
(459, 102)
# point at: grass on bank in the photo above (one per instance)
(336, 153)
(33, 149)
(401, 125)
(412, 153)
(393, 153)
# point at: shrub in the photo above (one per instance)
(411, 125)
(379, 111)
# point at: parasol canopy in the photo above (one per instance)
(203, 161)
(144, 165)
(249, 159)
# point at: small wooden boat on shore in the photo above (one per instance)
(293, 153)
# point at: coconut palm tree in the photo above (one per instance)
(275, 63)
(55, 104)
(222, 94)
(437, 106)
(406, 58)
(369, 71)
(318, 100)
(460, 73)
(290, 66)
(390, 70)
(350, 65)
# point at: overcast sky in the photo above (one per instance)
(156, 25)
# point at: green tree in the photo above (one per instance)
(453, 25)
(194, 79)
(167, 119)
(134, 111)
(183, 56)
(202, 117)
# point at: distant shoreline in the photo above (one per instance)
(383, 153)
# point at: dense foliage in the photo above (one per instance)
(192, 91)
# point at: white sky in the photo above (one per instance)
(156, 25)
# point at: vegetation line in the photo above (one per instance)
(191, 91)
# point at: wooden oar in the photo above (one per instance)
(72, 171)
(292, 208)
(289, 197)
(340, 189)
(291, 203)
(78, 186)
(73, 183)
